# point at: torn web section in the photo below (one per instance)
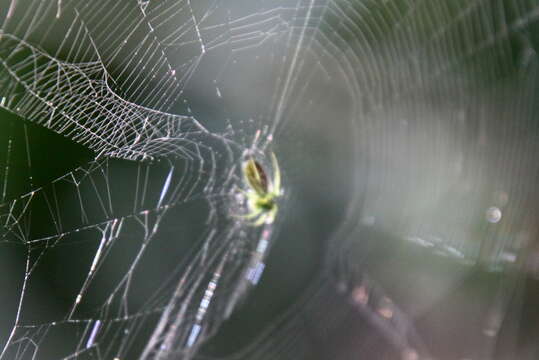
(109, 213)
(100, 299)
(90, 209)
(31, 158)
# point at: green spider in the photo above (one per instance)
(261, 195)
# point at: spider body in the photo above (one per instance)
(262, 194)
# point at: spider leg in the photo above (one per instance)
(261, 220)
(253, 214)
(267, 217)
(276, 184)
(272, 214)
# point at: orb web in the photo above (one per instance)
(398, 125)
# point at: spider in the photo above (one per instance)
(261, 195)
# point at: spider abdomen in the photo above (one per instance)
(267, 203)
(262, 194)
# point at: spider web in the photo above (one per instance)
(404, 132)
